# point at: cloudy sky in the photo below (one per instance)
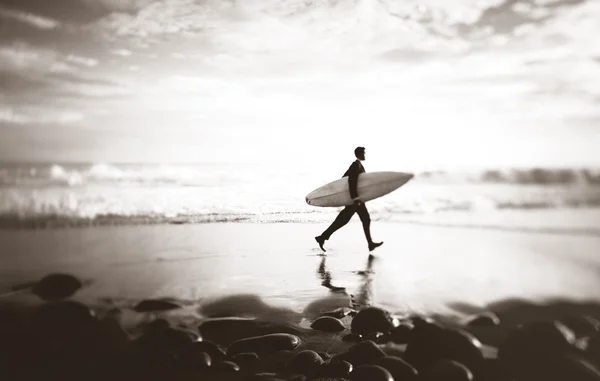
(424, 83)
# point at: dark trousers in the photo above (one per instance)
(345, 216)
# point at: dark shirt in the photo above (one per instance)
(352, 173)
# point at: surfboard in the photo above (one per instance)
(371, 185)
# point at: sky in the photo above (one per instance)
(422, 84)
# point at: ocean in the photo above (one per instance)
(92, 194)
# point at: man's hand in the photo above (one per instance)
(356, 201)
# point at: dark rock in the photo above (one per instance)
(493, 371)
(429, 343)
(339, 369)
(171, 339)
(67, 315)
(372, 319)
(109, 337)
(213, 350)
(157, 325)
(266, 343)
(228, 330)
(378, 337)
(263, 376)
(424, 344)
(352, 338)
(339, 313)
(324, 355)
(153, 305)
(13, 330)
(447, 370)
(295, 377)
(64, 326)
(592, 348)
(328, 324)
(56, 287)
(582, 326)
(394, 350)
(464, 348)
(196, 360)
(421, 320)
(487, 319)
(305, 362)
(248, 361)
(365, 352)
(193, 335)
(161, 325)
(370, 373)
(398, 368)
(401, 333)
(532, 346)
(153, 363)
(226, 367)
(571, 367)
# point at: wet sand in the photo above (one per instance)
(419, 268)
(275, 274)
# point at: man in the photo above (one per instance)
(357, 207)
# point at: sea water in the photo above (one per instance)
(54, 194)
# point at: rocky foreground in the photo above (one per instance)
(62, 339)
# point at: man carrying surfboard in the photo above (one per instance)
(355, 169)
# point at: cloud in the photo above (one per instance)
(508, 16)
(119, 5)
(38, 115)
(321, 31)
(21, 56)
(35, 60)
(8, 115)
(20, 87)
(40, 22)
(83, 61)
(154, 20)
(42, 85)
(122, 52)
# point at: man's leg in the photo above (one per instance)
(341, 220)
(365, 218)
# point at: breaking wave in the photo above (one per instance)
(103, 194)
(530, 176)
(218, 175)
(79, 175)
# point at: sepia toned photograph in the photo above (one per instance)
(300, 190)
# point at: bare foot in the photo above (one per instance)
(374, 245)
(321, 242)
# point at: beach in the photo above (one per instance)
(419, 268)
(275, 272)
(132, 271)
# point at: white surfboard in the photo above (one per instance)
(371, 185)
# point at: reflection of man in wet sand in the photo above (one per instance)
(365, 292)
(326, 276)
(364, 298)
(357, 207)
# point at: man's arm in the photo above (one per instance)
(353, 173)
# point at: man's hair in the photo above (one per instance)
(358, 150)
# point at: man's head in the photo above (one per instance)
(359, 152)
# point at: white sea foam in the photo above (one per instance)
(40, 195)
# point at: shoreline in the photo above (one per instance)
(567, 221)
